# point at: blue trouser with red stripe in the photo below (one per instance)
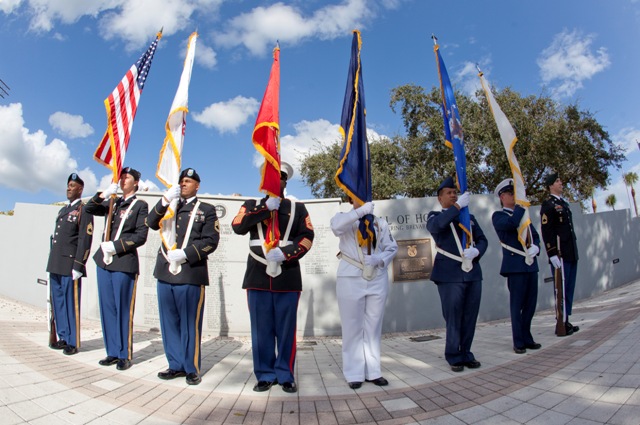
(273, 334)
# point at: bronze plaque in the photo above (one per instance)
(413, 261)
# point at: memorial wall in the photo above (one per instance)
(608, 243)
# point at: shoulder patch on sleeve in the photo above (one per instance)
(90, 229)
(545, 220)
(307, 221)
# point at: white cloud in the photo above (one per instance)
(41, 165)
(8, 6)
(305, 140)
(569, 61)
(144, 185)
(131, 21)
(259, 29)
(628, 138)
(71, 126)
(228, 116)
(205, 55)
(467, 79)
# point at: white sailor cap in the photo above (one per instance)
(287, 170)
(505, 185)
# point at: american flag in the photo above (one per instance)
(121, 106)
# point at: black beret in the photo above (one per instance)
(550, 179)
(134, 173)
(76, 178)
(191, 173)
(448, 182)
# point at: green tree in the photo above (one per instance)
(551, 137)
(611, 201)
(318, 169)
(630, 179)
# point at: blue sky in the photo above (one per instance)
(62, 59)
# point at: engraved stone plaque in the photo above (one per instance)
(413, 261)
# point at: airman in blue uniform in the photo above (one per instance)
(459, 290)
(519, 266)
(70, 246)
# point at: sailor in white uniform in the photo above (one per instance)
(362, 287)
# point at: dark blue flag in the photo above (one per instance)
(354, 173)
(455, 140)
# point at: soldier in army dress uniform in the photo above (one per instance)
(273, 299)
(557, 223)
(118, 266)
(70, 246)
(181, 293)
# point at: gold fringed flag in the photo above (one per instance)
(266, 141)
(509, 139)
(169, 164)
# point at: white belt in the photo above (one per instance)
(448, 254)
(350, 260)
(512, 249)
(258, 242)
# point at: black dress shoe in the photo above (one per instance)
(573, 328)
(355, 385)
(70, 350)
(171, 374)
(472, 364)
(108, 361)
(457, 367)
(534, 346)
(58, 345)
(519, 350)
(381, 382)
(193, 378)
(123, 364)
(263, 386)
(289, 387)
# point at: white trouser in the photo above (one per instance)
(361, 306)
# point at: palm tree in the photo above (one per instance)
(611, 201)
(630, 179)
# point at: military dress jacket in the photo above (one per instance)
(506, 224)
(202, 241)
(446, 269)
(557, 221)
(255, 213)
(71, 240)
(133, 235)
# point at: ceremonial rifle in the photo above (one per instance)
(51, 324)
(558, 279)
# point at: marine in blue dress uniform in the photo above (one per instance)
(181, 293)
(273, 301)
(459, 291)
(118, 266)
(557, 222)
(521, 274)
(70, 246)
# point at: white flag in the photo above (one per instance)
(171, 153)
(509, 139)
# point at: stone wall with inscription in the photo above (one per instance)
(607, 241)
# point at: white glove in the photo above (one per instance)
(470, 253)
(273, 203)
(172, 193)
(177, 256)
(275, 255)
(555, 262)
(108, 247)
(111, 190)
(463, 200)
(374, 260)
(533, 250)
(365, 209)
(75, 274)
